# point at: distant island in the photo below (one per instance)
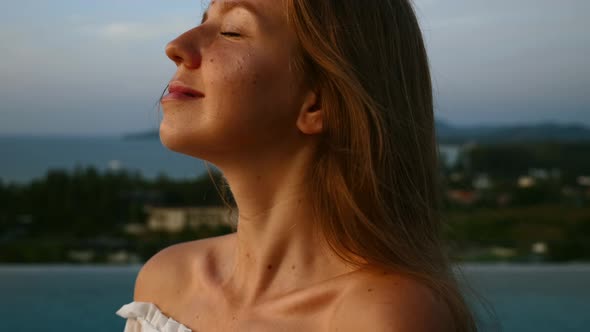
(531, 133)
(143, 135)
(452, 134)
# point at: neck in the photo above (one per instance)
(277, 250)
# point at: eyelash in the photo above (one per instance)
(230, 34)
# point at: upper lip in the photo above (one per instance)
(180, 87)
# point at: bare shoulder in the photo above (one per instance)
(173, 269)
(387, 302)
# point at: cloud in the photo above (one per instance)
(71, 65)
(136, 31)
(505, 61)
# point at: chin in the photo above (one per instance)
(173, 140)
(183, 143)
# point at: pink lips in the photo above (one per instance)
(179, 91)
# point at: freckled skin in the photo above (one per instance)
(251, 98)
(255, 114)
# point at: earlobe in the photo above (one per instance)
(310, 120)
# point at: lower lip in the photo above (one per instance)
(178, 96)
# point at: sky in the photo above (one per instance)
(70, 67)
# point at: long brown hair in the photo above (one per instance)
(375, 181)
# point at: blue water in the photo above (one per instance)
(66, 298)
(535, 298)
(25, 158)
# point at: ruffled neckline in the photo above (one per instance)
(151, 318)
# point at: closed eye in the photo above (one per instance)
(230, 34)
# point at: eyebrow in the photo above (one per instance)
(226, 6)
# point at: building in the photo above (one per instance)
(177, 219)
(482, 182)
(583, 180)
(526, 181)
(464, 197)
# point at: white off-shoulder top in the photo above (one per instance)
(146, 317)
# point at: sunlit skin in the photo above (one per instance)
(258, 121)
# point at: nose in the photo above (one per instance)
(185, 50)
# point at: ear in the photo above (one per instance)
(311, 117)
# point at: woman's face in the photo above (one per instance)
(248, 97)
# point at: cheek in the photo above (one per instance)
(250, 104)
(254, 91)
(235, 80)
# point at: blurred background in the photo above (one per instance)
(88, 193)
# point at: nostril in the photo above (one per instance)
(173, 53)
(177, 59)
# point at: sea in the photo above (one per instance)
(519, 298)
(523, 298)
(26, 158)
